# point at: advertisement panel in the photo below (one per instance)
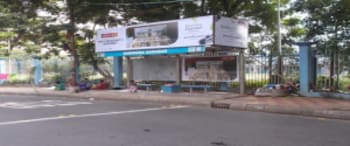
(196, 31)
(230, 32)
(211, 69)
(110, 39)
(154, 69)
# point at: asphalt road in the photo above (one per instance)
(39, 121)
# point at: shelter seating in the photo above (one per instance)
(147, 86)
(191, 87)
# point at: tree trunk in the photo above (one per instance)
(331, 71)
(336, 60)
(70, 36)
(104, 73)
(203, 7)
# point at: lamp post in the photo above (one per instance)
(279, 44)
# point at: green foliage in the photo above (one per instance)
(53, 77)
(323, 83)
(6, 35)
(18, 79)
(256, 83)
(328, 23)
(234, 85)
(344, 84)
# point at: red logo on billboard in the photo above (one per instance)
(109, 35)
(242, 22)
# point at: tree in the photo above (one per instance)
(63, 31)
(328, 24)
(33, 25)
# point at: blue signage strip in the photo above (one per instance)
(168, 51)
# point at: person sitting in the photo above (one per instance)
(85, 85)
(72, 84)
(290, 87)
(101, 85)
(132, 86)
(59, 85)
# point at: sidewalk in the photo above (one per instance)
(317, 107)
(143, 96)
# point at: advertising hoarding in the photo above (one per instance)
(154, 69)
(230, 32)
(211, 69)
(111, 39)
(196, 31)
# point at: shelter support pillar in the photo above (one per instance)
(178, 69)
(241, 72)
(129, 71)
(307, 67)
(37, 70)
(118, 72)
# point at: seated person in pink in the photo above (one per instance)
(132, 86)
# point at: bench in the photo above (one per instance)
(147, 86)
(191, 87)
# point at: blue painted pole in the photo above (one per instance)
(306, 67)
(37, 71)
(118, 72)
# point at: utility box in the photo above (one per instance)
(171, 88)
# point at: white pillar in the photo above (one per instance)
(178, 69)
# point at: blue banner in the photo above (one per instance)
(167, 51)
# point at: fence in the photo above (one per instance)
(21, 70)
(333, 76)
(261, 70)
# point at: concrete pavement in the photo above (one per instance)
(319, 107)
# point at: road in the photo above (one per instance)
(40, 121)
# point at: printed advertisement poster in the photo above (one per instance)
(154, 69)
(196, 31)
(230, 32)
(111, 39)
(211, 69)
(152, 35)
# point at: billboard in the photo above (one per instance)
(196, 31)
(111, 39)
(230, 32)
(190, 32)
(211, 69)
(154, 69)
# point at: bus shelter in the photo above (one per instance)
(206, 48)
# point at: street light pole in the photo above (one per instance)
(279, 45)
